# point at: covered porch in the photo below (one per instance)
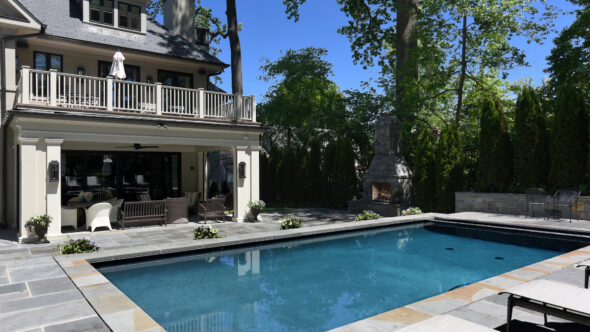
(104, 160)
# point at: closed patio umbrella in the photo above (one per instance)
(117, 68)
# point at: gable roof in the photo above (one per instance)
(63, 19)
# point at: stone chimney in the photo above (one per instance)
(179, 16)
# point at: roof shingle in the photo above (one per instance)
(64, 19)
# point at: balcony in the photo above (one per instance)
(87, 93)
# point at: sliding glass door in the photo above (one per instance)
(112, 174)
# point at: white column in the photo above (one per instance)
(109, 94)
(52, 87)
(159, 98)
(242, 190)
(254, 174)
(29, 205)
(25, 84)
(53, 189)
(201, 103)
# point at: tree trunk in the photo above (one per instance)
(463, 71)
(235, 48)
(406, 62)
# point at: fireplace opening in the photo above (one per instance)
(382, 192)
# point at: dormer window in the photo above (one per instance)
(129, 16)
(101, 11)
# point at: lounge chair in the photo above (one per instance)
(114, 215)
(586, 265)
(445, 323)
(98, 216)
(550, 298)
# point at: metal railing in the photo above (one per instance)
(52, 88)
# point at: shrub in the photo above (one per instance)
(569, 140)
(206, 232)
(343, 174)
(78, 246)
(494, 169)
(530, 141)
(43, 220)
(367, 215)
(256, 204)
(425, 170)
(290, 222)
(449, 169)
(411, 211)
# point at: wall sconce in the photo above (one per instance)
(242, 170)
(53, 171)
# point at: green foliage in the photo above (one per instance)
(495, 149)
(256, 204)
(78, 246)
(449, 169)
(367, 215)
(343, 174)
(530, 141)
(206, 232)
(43, 221)
(290, 222)
(411, 211)
(425, 171)
(303, 103)
(314, 172)
(569, 62)
(569, 140)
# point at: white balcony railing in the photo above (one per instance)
(52, 88)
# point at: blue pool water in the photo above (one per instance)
(312, 285)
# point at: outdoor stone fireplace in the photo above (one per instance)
(387, 186)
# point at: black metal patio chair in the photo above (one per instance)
(566, 198)
(536, 197)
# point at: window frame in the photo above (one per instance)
(162, 71)
(48, 60)
(101, 11)
(129, 16)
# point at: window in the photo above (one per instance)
(101, 11)
(129, 16)
(182, 80)
(133, 73)
(46, 61)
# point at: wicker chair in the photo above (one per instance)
(212, 209)
(177, 210)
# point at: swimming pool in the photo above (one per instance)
(313, 284)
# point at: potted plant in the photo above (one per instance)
(255, 209)
(39, 224)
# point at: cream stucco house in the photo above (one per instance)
(147, 134)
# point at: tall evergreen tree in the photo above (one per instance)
(344, 173)
(530, 141)
(314, 172)
(569, 140)
(449, 169)
(495, 165)
(328, 162)
(425, 171)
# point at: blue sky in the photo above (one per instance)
(267, 31)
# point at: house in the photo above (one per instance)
(68, 128)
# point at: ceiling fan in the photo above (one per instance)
(137, 146)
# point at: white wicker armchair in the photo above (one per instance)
(98, 215)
